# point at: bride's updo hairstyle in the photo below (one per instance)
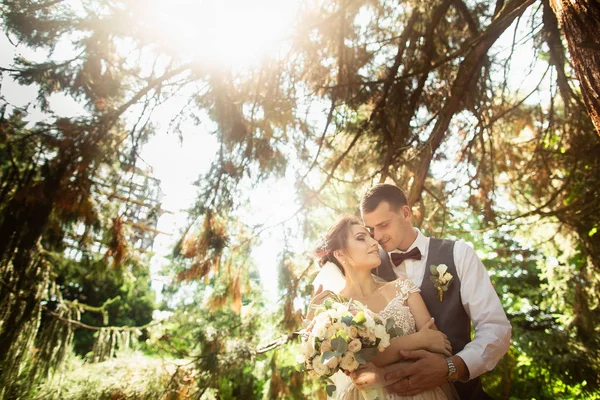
(336, 238)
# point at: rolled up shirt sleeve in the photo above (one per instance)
(492, 329)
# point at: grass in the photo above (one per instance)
(132, 376)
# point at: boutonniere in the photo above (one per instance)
(440, 278)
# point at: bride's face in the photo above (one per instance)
(361, 250)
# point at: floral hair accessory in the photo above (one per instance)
(441, 279)
(322, 248)
(322, 253)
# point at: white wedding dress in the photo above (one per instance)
(403, 319)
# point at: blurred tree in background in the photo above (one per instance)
(493, 144)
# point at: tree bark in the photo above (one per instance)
(580, 23)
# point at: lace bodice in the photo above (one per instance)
(398, 310)
(404, 319)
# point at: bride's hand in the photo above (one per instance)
(435, 341)
(367, 376)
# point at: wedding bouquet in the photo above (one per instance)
(343, 335)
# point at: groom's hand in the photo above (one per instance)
(429, 370)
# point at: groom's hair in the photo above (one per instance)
(391, 194)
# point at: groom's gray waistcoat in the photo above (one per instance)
(450, 315)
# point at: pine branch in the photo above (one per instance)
(85, 307)
(97, 328)
(276, 343)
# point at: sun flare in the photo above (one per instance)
(222, 33)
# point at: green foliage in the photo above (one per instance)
(547, 356)
(90, 283)
(417, 95)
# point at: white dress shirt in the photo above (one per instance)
(492, 329)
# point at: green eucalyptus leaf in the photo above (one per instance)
(389, 324)
(330, 389)
(339, 345)
(368, 353)
(360, 358)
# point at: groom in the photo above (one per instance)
(470, 299)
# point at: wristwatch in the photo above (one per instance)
(452, 373)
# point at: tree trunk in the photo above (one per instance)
(24, 268)
(580, 22)
(25, 274)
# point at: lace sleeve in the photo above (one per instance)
(404, 287)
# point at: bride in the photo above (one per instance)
(349, 246)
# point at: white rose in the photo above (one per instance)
(355, 345)
(364, 333)
(348, 362)
(326, 346)
(333, 362)
(319, 330)
(321, 318)
(339, 326)
(380, 331)
(332, 330)
(370, 322)
(308, 349)
(352, 331)
(319, 367)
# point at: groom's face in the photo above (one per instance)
(390, 227)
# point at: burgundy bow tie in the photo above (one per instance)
(398, 258)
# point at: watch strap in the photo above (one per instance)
(452, 373)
